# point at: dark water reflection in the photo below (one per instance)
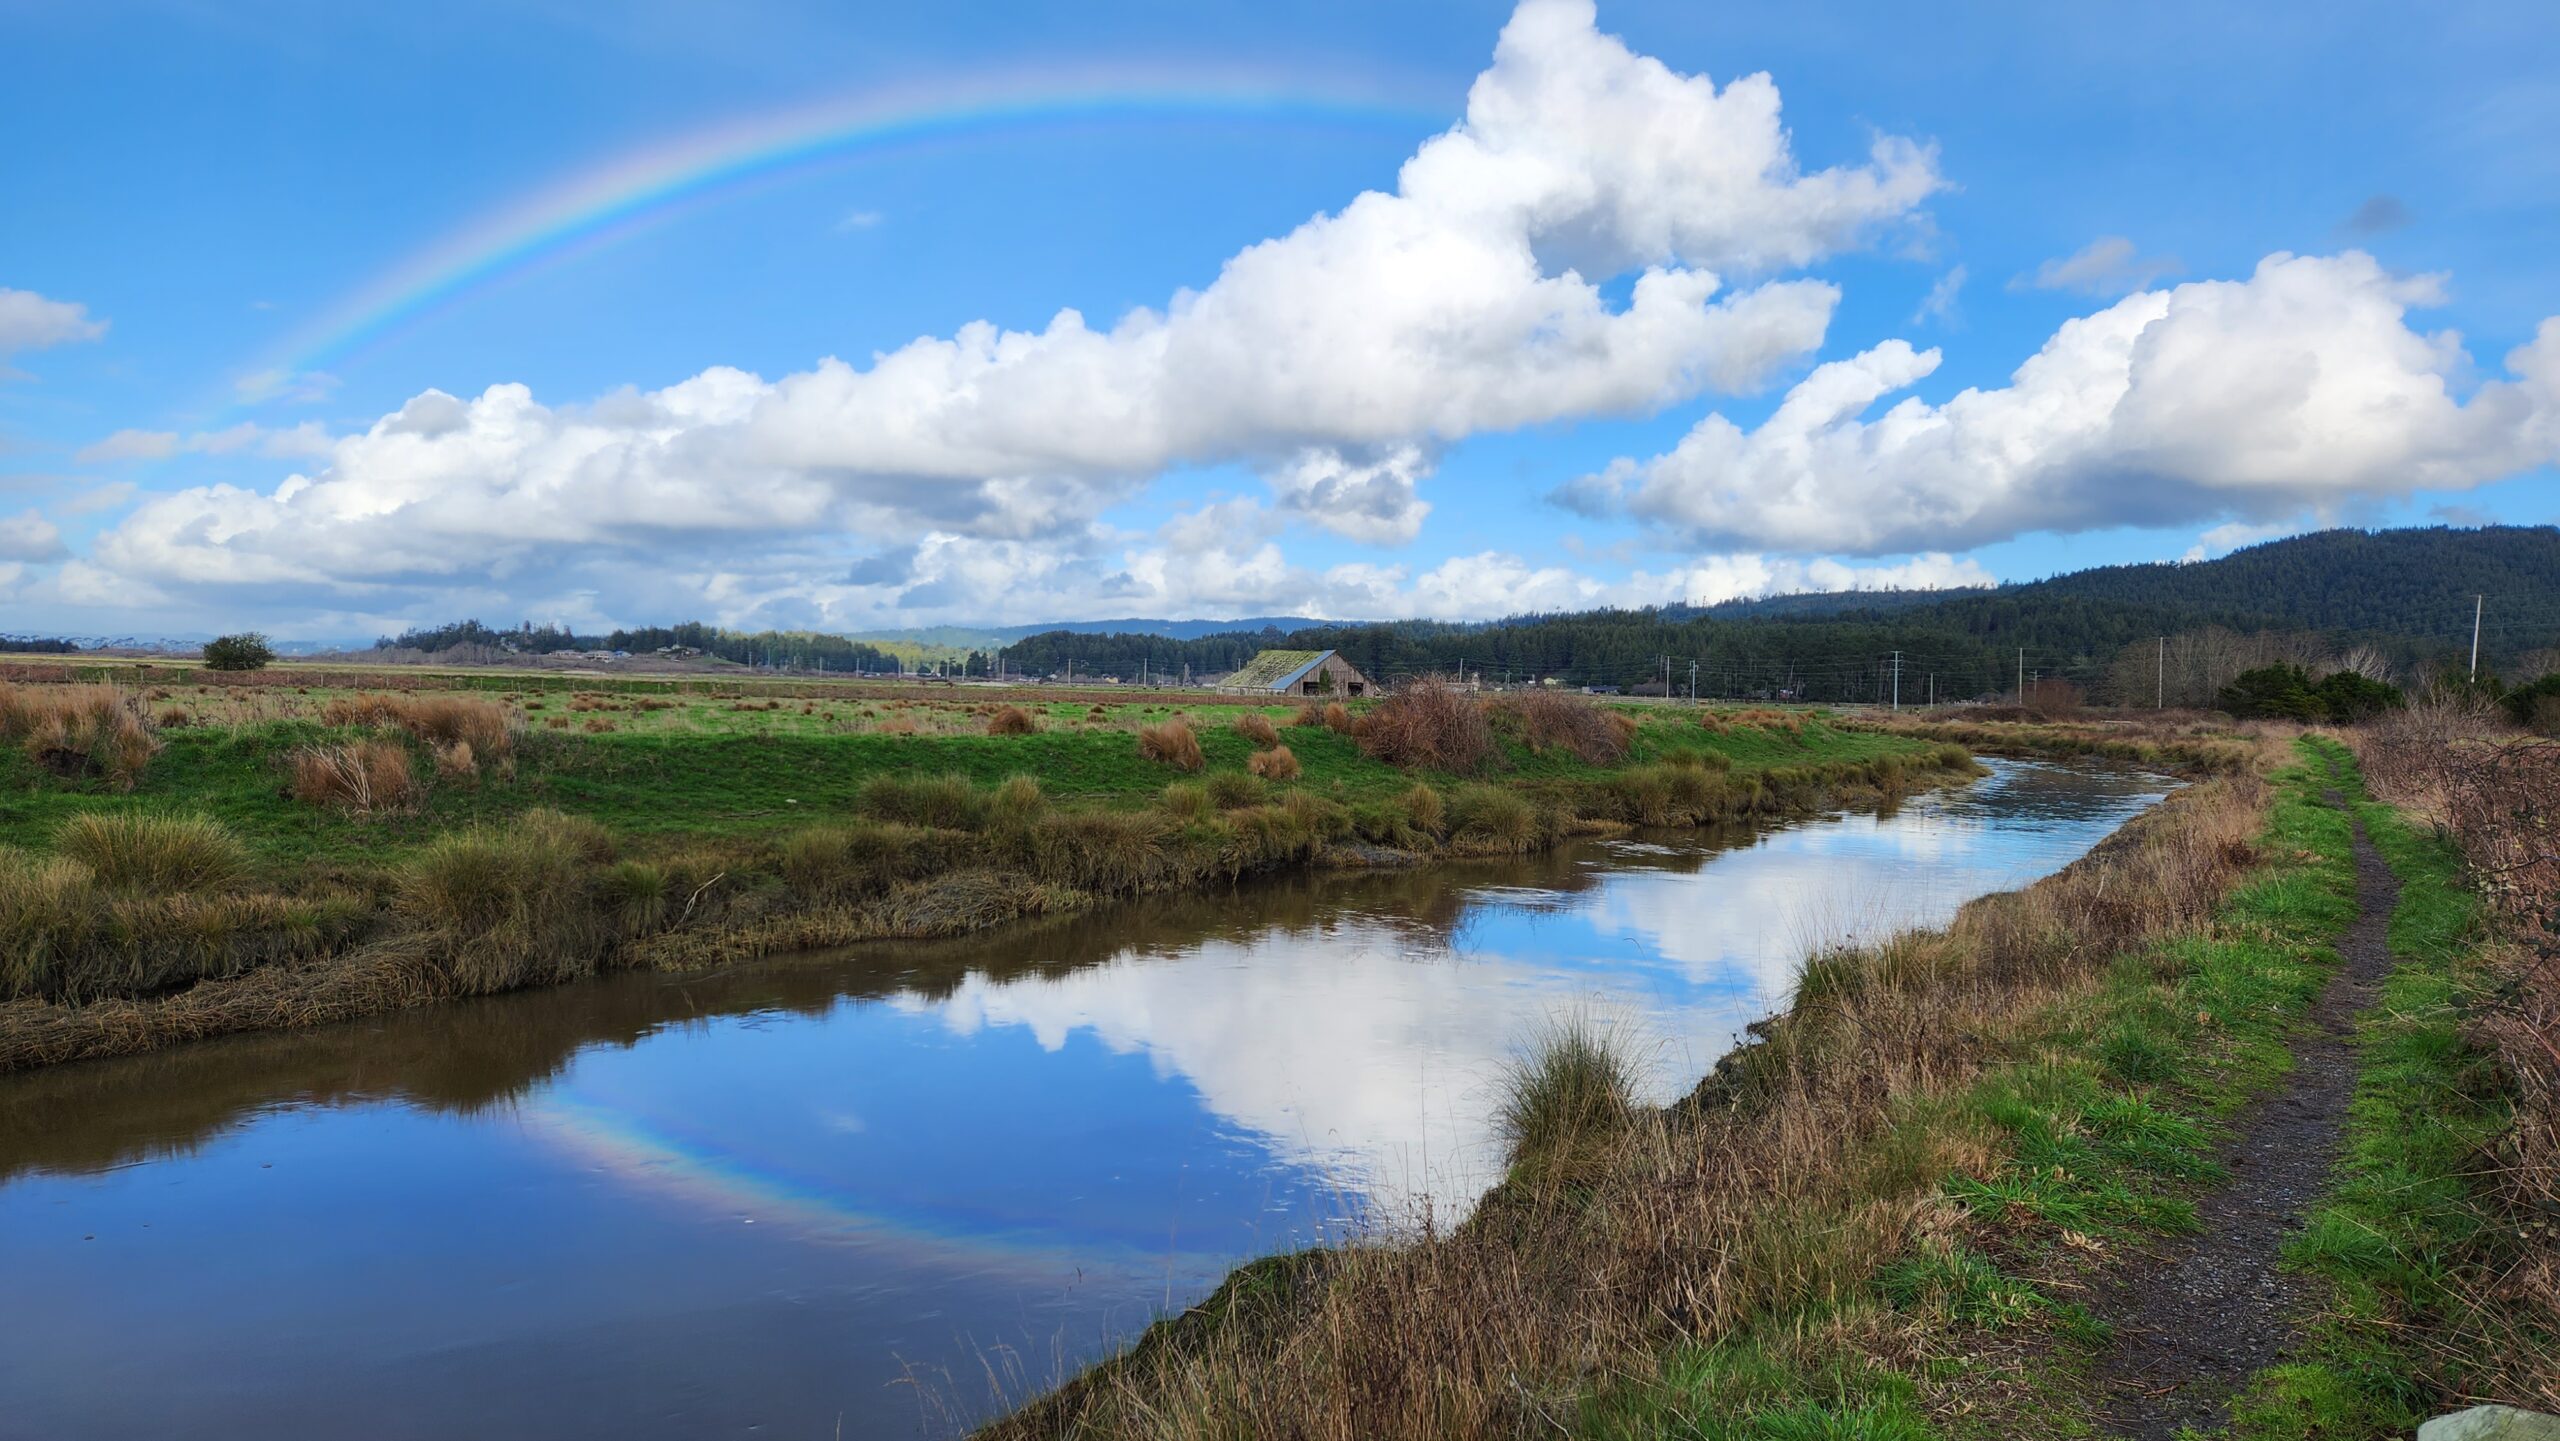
(760, 1202)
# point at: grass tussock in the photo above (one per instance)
(945, 802)
(144, 851)
(1566, 1106)
(365, 777)
(1011, 720)
(1429, 725)
(1257, 728)
(93, 731)
(511, 905)
(1276, 764)
(1171, 743)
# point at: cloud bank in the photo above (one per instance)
(2301, 386)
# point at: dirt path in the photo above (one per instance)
(2194, 1321)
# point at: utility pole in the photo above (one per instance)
(2022, 675)
(2160, 677)
(2478, 603)
(1897, 682)
(1693, 682)
(1933, 690)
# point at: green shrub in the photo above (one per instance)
(246, 651)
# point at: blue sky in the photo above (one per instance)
(328, 319)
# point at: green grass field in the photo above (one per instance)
(674, 762)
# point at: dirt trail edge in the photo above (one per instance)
(2194, 1321)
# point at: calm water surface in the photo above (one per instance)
(855, 1196)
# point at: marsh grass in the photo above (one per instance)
(1566, 1104)
(149, 851)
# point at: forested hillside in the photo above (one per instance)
(2403, 596)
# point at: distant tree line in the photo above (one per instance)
(785, 650)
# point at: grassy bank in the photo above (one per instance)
(1874, 1222)
(224, 858)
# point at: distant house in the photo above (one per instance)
(1298, 673)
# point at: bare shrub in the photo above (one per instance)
(1429, 725)
(1171, 743)
(1276, 764)
(1256, 727)
(365, 777)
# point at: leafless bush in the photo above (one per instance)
(1431, 725)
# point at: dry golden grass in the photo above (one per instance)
(1257, 728)
(1011, 720)
(439, 720)
(1276, 764)
(74, 730)
(1171, 743)
(365, 777)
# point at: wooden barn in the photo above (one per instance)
(1298, 673)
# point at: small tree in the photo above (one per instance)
(246, 651)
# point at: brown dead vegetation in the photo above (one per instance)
(1429, 725)
(1171, 743)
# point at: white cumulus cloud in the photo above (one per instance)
(1334, 360)
(2300, 386)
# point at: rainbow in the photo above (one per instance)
(592, 207)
